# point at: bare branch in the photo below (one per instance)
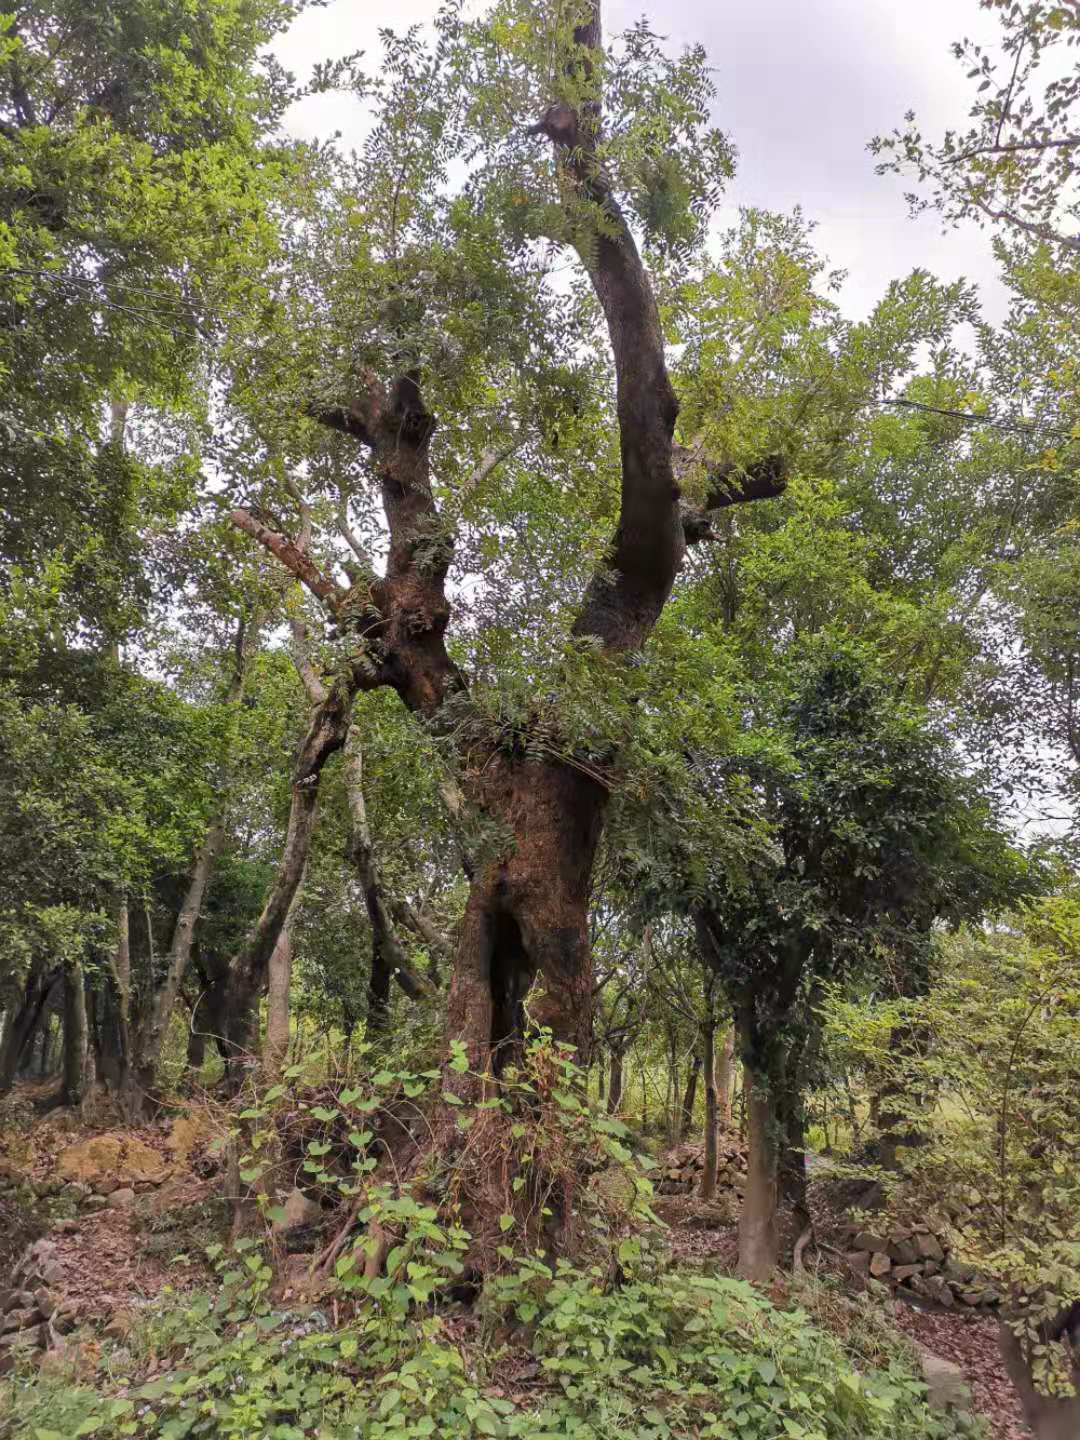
(291, 556)
(309, 676)
(1067, 142)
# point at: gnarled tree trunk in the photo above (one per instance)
(525, 919)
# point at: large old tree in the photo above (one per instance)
(526, 916)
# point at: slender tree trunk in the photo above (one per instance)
(76, 1037)
(162, 1000)
(671, 1093)
(247, 976)
(708, 1064)
(894, 1105)
(388, 958)
(378, 992)
(196, 1049)
(615, 1084)
(790, 1106)
(689, 1099)
(276, 1044)
(208, 1013)
(43, 1052)
(725, 1076)
(600, 1076)
(114, 1028)
(22, 1021)
(759, 1238)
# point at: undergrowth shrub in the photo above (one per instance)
(658, 1355)
(604, 1343)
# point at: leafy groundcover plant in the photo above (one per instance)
(673, 1354)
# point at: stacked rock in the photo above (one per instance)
(32, 1315)
(915, 1259)
(685, 1165)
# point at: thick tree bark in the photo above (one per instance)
(759, 1235)
(689, 1100)
(708, 1061)
(525, 918)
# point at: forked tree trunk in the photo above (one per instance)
(708, 1063)
(525, 919)
(759, 1233)
(689, 1099)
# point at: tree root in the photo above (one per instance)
(797, 1266)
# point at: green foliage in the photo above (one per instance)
(672, 1355)
(1014, 164)
(985, 1081)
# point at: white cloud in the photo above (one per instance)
(802, 86)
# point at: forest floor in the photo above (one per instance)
(115, 1260)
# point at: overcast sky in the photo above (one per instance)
(802, 86)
